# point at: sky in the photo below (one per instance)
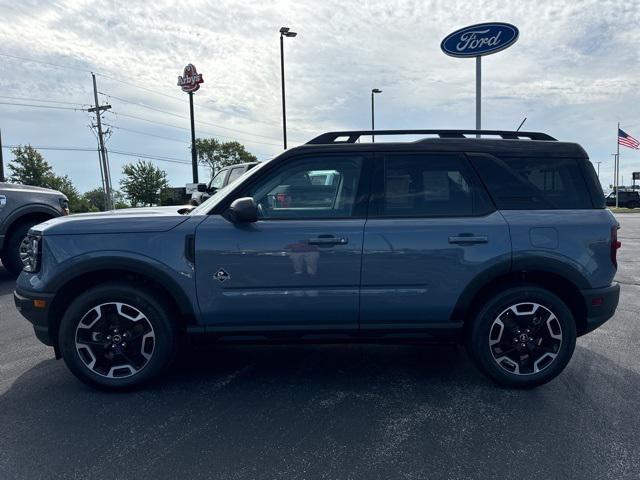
(573, 73)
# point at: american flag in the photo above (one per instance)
(627, 140)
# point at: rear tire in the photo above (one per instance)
(11, 254)
(117, 336)
(522, 337)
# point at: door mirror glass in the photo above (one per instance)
(244, 210)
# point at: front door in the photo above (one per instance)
(298, 266)
(431, 231)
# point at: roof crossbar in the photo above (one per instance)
(353, 136)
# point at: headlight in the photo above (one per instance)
(30, 253)
(64, 205)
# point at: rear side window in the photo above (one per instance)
(426, 185)
(526, 183)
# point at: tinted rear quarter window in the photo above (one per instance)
(532, 183)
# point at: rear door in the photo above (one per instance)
(431, 232)
(298, 267)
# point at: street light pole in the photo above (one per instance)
(284, 32)
(598, 169)
(373, 114)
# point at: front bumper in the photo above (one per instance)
(601, 304)
(38, 316)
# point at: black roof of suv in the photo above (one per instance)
(525, 143)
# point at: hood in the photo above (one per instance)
(144, 211)
(110, 223)
(16, 187)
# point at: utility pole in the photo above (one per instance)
(1, 160)
(104, 166)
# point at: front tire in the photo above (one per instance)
(522, 337)
(117, 336)
(15, 245)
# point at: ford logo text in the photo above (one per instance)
(478, 40)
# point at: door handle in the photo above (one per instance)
(328, 240)
(468, 239)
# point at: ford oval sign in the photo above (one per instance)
(481, 39)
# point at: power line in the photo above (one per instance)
(155, 109)
(173, 97)
(151, 157)
(42, 100)
(38, 147)
(57, 65)
(42, 106)
(184, 142)
(183, 128)
(147, 134)
(116, 152)
(141, 87)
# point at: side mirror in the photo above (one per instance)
(202, 187)
(244, 210)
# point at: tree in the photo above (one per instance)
(96, 199)
(77, 203)
(30, 168)
(215, 154)
(143, 182)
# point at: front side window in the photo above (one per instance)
(311, 187)
(428, 185)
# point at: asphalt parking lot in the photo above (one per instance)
(338, 412)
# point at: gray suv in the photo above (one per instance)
(502, 243)
(22, 207)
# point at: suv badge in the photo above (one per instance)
(221, 275)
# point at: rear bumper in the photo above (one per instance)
(39, 317)
(601, 304)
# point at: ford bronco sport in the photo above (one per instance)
(502, 242)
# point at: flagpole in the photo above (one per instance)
(617, 165)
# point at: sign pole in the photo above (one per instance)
(478, 94)
(194, 153)
(190, 82)
(476, 41)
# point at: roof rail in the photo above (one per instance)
(353, 136)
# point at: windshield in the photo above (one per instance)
(204, 208)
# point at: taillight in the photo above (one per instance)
(615, 245)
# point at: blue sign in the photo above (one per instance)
(481, 39)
